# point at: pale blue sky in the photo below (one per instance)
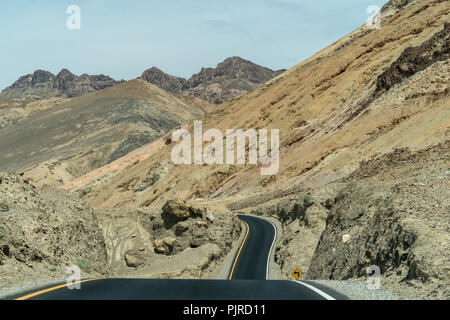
(123, 38)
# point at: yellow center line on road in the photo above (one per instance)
(31, 295)
(239, 252)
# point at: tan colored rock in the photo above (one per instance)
(176, 208)
(169, 241)
(159, 247)
(201, 224)
(133, 258)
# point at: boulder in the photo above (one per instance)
(133, 258)
(164, 246)
(159, 247)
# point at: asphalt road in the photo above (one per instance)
(252, 262)
(248, 279)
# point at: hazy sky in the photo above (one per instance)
(123, 38)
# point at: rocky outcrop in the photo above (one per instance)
(141, 243)
(43, 84)
(229, 79)
(415, 59)
(302, 218)
(183, 226)
(396, 5)
(180, 210)
(176, 208)
(165, 246)
(363, 228)
(72, 86)
(390, 225)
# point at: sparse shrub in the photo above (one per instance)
(85, 265)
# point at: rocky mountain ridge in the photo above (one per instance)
(231, 78)
(44, 84)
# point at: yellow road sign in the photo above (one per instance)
(297, 274)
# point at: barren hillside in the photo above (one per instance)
(56, 140)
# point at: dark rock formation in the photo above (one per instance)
(415, 59)
(44, 84)
(163, 80)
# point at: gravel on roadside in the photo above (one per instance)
(356, 290)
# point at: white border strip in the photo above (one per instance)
(316, 290)
(271, 247)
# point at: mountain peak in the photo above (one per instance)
(41, 76)
(163, 80)
(231, 78)
(64, 72)
(236, 59)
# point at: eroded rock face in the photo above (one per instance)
(153, 176)
(376, 223)
(42, 232)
